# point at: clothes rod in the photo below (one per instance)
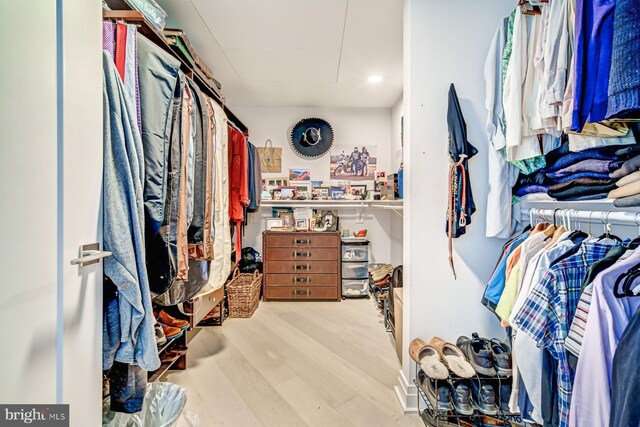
(593, 217)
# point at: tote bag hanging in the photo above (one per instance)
(270, 158)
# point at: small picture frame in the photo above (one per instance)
(337, 193)
(302, 225)
(288, 220)
(359, 192)
(330, 221)
(287, 193)
(321, 193)
(273, 222)
(275, 212)
(277, 182)
(303, 190)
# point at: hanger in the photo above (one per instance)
(607, 229)
(527, 9)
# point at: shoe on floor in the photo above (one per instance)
(461, 397)
(483, 398)
(502, 357)
(213, 314)
(169, 320)
(170, 332)
(161, 339)
(453, 358)
(437, 392)
(478, 353)
(428, 358)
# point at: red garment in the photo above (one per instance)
(121, 48)
(238, 175)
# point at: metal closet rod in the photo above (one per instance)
(593, 217)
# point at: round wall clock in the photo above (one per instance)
(311, 138)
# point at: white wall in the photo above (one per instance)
(397, 111)
(445, 42)
(351, 126)
(50, 187)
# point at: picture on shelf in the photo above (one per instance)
(381, 180)
(299, 174)
(303, 190)
(357, 163)
(277, 182)
(288, 219)
(287, 193)
(359, 192)
(275, 212)
(337, 193)
(274, 222)
(302, 225)
(321, 193)
(315, 184)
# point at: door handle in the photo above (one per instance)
(90, 254)
(302, 279)
(298, 292)
(302, 242)
(302, 254)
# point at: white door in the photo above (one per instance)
(50, 204)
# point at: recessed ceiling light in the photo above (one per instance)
(374, 79)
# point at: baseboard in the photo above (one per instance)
(407, 394)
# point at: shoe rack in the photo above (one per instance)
(445, 418)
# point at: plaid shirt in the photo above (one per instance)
(546, 315)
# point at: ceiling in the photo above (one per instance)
(302, 53)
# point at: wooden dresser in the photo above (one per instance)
(301, 266)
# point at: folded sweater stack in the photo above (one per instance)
(586, 175)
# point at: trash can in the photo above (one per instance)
(163, 404)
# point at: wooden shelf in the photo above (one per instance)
(123, 11)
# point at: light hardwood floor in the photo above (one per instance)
(295, 364)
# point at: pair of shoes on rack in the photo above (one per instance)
(380, 271)
(484, 421)
(168, 328)
(438, 357)
(464, 396)
(488, 357)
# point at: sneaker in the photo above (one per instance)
(169, 320)
(461, 397)
(484, 398)
(161, 338)
(505, 394)
(501, 357)
(437, 392)
(170, 332)
(479, 354)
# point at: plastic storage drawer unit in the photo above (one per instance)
(355, 270)
(355, 287)
(355, 252)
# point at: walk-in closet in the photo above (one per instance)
(294, 213)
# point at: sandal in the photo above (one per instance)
(453, 357)
(428, 358)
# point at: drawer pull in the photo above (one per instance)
(302, 242)
(302, 267)
(302, 254)
(302, 280)
(299, 292)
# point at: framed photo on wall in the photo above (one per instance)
(277, 182)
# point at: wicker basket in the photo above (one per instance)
(243, 293)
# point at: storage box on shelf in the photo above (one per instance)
(301, 266)
(355, 268)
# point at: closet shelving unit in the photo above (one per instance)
(444, 417)
(123, 11)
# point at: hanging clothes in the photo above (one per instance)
(238, 182)
(461, 204)
(123, 233)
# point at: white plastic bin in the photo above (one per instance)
(355, 270)
(355, 288)
(355, 253)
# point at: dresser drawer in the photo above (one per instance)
(302, 254)
(297, 240)
(302, 293)
(301, 279)
(301, 267)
